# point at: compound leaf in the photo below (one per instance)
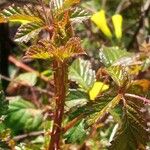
(46, 49)
(104, 106)
(133, 133)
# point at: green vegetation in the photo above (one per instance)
(89, 88)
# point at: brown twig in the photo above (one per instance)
(122, 5)
(72, 123)
(34, 97)
(25, 84)
(26, 68)
(21, 137)
(104, 3)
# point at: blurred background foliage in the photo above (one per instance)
(26, 110)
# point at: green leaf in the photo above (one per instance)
(23, 15)
(80, 71)
(76, 134)
(61, 6)
(146, 64)
(76, 98)
(79, 14)
(133, 133)
(28, 31)
(104, 107)
(109, 55)
(57, 4)
(23, 19)
(92, 109)
(118, 74)
(116, 113)
(22, 115)
(64, 4)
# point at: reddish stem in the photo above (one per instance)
(61, 80)
(72, 123)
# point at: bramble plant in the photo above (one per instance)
(84, 107)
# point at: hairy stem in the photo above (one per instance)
(61, 81)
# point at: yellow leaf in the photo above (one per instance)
(23, 18)
(99, 19)
(2, 19)
(97, 89)
(69, 3)
(135, 69)
(117, 22)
